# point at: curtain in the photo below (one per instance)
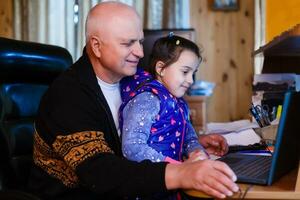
(61, 22)
(45, 21)
(259, 37)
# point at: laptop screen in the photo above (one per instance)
(287, 152)
(259, 169)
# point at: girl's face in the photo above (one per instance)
(178, 77)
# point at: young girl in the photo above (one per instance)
(154, 117)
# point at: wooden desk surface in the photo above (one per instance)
(284, 188)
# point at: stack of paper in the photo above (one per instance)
(276, 82)
(236, 133)
(244, 137)
(235, 126)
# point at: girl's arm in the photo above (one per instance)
(191, 142)
(138, 116)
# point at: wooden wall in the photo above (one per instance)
(227, 39)
(6, 18)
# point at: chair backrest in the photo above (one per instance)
(26, 70)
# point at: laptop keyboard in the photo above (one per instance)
(254, 166)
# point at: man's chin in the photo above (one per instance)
(131, 70)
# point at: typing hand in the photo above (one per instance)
(214, 144)
(214, 178)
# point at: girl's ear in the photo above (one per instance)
(96, 46)
(159, 68)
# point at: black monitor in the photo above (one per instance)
(152, 35)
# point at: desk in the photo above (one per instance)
(288, 187)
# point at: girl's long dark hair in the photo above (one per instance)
(168, 49)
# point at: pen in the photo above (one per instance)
(279, 109)
(260, 114)
(256, 116)
(265, 116)
(273, 113)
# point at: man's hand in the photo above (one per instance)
(214, 144)
(214, 178)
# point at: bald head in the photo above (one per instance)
(114, 36)
(103, 15)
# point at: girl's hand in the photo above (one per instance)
(197, 155)
(214, 144)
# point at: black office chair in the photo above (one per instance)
(26, 70)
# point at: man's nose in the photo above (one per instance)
(138, 50)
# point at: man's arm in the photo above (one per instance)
(211, 177)
(109, 174)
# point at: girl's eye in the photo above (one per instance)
(185, 72)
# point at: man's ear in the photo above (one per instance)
(96, 46)
(159, 68)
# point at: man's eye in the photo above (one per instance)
(126, 44)
(185, 72)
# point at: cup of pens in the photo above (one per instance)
(261, 115)
(268, 133)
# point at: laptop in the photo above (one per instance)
(264, 170)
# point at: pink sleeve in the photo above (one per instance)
(171, 160)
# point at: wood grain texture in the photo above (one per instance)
(227, 40)
(197, 106)
(6, 18)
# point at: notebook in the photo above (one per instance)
(264, 170)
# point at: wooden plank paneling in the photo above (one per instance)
(6, 18)
(227, 39)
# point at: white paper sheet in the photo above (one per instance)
(244, 137)
(235, 126)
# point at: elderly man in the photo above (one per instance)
(77, 149)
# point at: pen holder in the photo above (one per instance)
(268, 132)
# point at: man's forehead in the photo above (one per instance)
(131, 38)
(124, 27)
(134, 36)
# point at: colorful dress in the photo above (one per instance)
(154, 124)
